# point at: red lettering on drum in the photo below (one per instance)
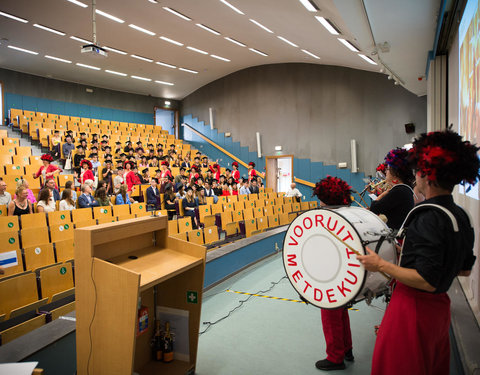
(291, 261)
(308, 286)
(294, 242)
(330, 295)
(341, 229)
(353, 265)
(305, 225)
(328, 224)
(354, 276)
(349, 252)
(342, 288)
(319, 220)
(295, 231)
(316, 292)
(348, 237)
(297, 276)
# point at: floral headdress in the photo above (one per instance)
(333, 191)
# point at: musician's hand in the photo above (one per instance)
(372, 262)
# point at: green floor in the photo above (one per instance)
(267, 336)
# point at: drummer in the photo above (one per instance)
(414, 335)
(396, 202)
(332, 191)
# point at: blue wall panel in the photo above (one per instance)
(44, 105)
(316, 171)
(29, 103)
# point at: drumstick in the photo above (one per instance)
(355, 251)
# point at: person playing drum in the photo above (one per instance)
(438, 246)
(396, 202)
(333, 191)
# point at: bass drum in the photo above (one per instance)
(319, 255)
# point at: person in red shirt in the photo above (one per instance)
(129, 175)
(86, 171)
(194, 174)
(47, 170)
(166, 174)
(251, 171)
(215, 169)
(236, 172)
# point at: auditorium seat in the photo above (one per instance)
(9, 224)
(62, 179)
(250, 226)
(139, 209)
(102, 212)
(172, 227)
(56, 279)
(226, 217)
(3, 210)
(273, 221)
(258, 211)
(262, 222)
(296, 207)
(184, 224)
(248, 214)
(34, 236)
(82, 214)
(287, 207)
(64, 250)
(59, 218)
(21, 289)
(38, 256)
(9, 241)
(204, 210)
(210, 234)
(238, 214)
(217, 208)
(313, 204)
(181, 236)
(196, 236)
(62, 230)
(11, 142)
(33, 220)
(5, 159)
(15, 256)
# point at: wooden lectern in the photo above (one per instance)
(115, 265)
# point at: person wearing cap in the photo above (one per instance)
(56, 140)
(333, 191)
(209, 192)
(95, 163)
(87, 172)
(437, 247)
(196, 162)
(190, 204)
(217, 189)
(236, 172)
(47, 170)
(128, 147)
(204, 164)
(79, 156)
(83, 137)
(94, 137)
(154, 162)
(251, 171)
(145, 177)
(142, 162)
(186, 163)
(118, 148)
(194, 173)
(107, 173)
(228, 176)
(178, 177)
(215, 169)
(397, 201)
(68, 146)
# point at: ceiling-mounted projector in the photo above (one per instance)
(94, 50)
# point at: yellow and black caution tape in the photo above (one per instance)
(271, 297)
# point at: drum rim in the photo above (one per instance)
(362, 286)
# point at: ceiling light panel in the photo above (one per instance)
(49, 29)
(257, 51)
(287, 41)
(232, 7)
(23, 50)
(107, 15)
(178, 14)
(114, 50)
(58, 59)
(165, 64)
(79, 3)
(310, 54)
(197, 50)
(11, 16)
(116, 73)
(235, 41)
(188, 70)
(349, 45)
(141, 78)
(220, 58)
(367, 59)
(207, 29)
(138, 28)
(310, 5)
(171, 41)
(142, 58)
(165, 83)
(328, 25)
(261, 26)
(88, 66)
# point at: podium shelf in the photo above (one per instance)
(155, 368)
(155, 265)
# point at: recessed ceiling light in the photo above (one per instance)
(310, 5)
(171, 41)
(142, 58)
(80, 40)
(88, 66)
(165, 83)
(219, 58)
(23, 50)
(49, 29)
(257, 51)
(309, 53)
(197, 50)
(58, 59)
(141, 29)
(349, 45)
(105, 14)
(165, 64)
(286, 41)
(79, 3)
(235, 41)
(260, 25)
(231, 6)
(367, 59)
(13, 17)
(167, 102)
(178, 14)
(328, 25)
(188, 70)
(208, 29)
(141, 78)
(114, 50)
(116, 73)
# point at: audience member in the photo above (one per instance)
(21, 205)
(86, 171)
(50, 184)
(201, 199)
(253, 187)
(102, 198)
(294, 192)
(69, 185)
(47, 170)
(5, 196)
(118, 179)
(209, 192)
(122, 196)
(68, 147)
(56, 140)
(107, 174)
(46, 203)
(23, 182)
(169, 199)
(153, 196)
(189, 205)
(244, 190)
(180, 191)
(67, 203)
(85, 199)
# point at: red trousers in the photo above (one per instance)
(336, 328)
(413, 338)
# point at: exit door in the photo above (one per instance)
(279, 172)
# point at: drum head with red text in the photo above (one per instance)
(320, 267)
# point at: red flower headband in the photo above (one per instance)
(333, 191)
(47, 157)
(382, 168)
(85, 161)
(165, 163)
(252, 164)
(397, 158)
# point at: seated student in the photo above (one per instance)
(169, 199)
(180, 191)
(102, 198)
(45, 201)
(56, 140)
(69, 185)
(50, 184)
(5, 196)
(20, 205)
(201, 199)
(217, 188)
(234, 188)
(153, 196)
(85, 199)
(244, 190)
(67, 203)
(209, 192)
(24, 182)
(294, 192)
(254, 187)
(123, 197)
(189, 204)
